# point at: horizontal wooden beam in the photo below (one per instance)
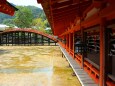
(70, 14)
(108, 13)
(39, 1)
(62, 4)
(72, 6)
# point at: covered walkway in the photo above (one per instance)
(84, 79)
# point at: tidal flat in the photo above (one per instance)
(34, 66)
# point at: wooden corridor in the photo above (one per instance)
(84, 79)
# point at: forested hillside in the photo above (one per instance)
(36, 12)
(27, 17)
(4, 17)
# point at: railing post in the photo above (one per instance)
(15, 39)
(12, 39)
(18, 38)
(73, 44)
(69, 42)
(6, 40)
(48, 41)
(0, 38)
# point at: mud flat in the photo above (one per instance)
(34, 66)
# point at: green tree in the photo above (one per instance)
(39, 24)
(49, 31)
(42, 25)
(23, 17)
(46, 23)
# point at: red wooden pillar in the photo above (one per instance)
(82, 38)
(102, 53)
(66, 41)
(73, 45)
(69, 42)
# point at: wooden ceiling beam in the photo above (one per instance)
(57, 5)
(71, 6)
(3, 2)
(61, 20)
(65, 11)
(69, 11)
(39, 1)
(58, 1)
(67, 15)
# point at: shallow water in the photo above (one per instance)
(34, 66)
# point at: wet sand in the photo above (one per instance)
(34, 66)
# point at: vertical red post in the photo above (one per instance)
(66, 41)
(69, 42)
(73, 45)
(82, 38)
(102, 53)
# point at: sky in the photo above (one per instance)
(25, 2)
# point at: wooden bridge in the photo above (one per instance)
(26, 37)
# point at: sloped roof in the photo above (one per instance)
(7, 8)
(61, 13)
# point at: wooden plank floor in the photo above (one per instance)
(83, 77)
